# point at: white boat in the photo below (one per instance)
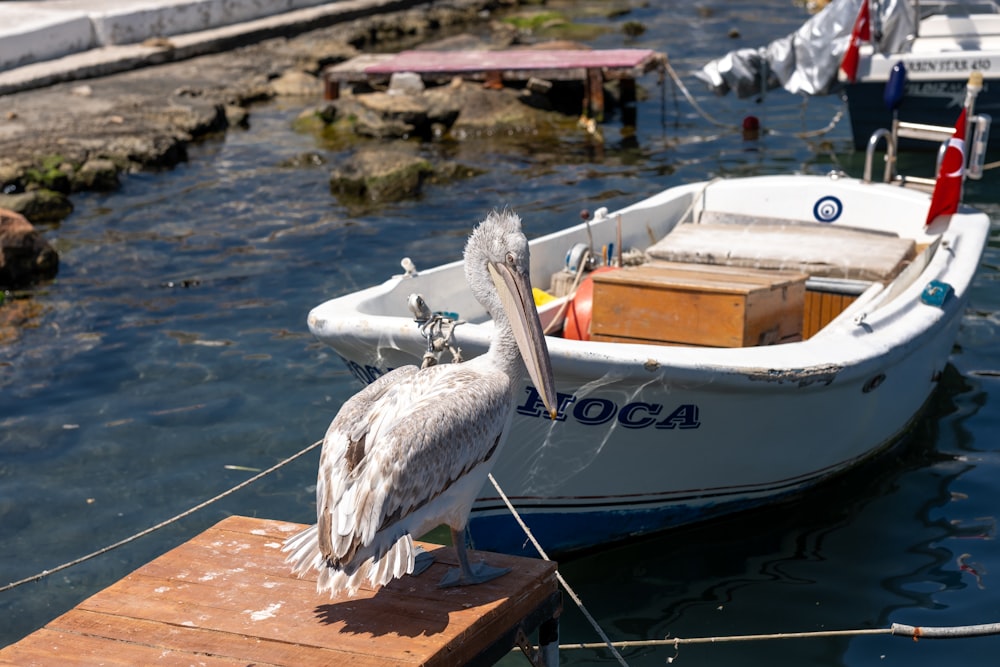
(950, 40)
(767, 334)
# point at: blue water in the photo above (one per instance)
(171, 355)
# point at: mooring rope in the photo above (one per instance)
(896, 630)
(809, 134)
(162, 524)
(608, 644)
(693, 102)
(805, 134)
(557, 320)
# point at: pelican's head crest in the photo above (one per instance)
(498, 238)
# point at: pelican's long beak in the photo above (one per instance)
(519, 303)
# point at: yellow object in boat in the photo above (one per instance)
(541, 296)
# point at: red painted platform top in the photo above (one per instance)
(510, 59)
(227, 598)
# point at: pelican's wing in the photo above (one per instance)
(348, 432)
(353, 422)
(311, 548)
(395, 449)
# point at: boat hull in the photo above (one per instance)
(711, 450)
(931, 102)
(654, 436)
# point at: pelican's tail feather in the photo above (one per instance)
(303, 551)
(394, 563)
(377, 570)
(367, 566)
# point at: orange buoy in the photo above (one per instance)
(578, 314)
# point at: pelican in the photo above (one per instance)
(411, 451)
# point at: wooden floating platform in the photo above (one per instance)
(592, 67)
(227, 598)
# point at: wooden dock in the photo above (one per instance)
(227, 598)
(591, 67)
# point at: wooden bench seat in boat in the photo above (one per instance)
(828, 251)
(668, 303)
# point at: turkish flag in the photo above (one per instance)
(948, 186)
(861, 33)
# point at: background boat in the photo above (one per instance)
(939, 44)
(951, 40)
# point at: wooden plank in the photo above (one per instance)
(821, 308)
(431, 62)
(130, 630)
(828, 309)
(69, 649)
(353, 70)
(817, 250)
(226, 597)
(594, 87)
(562, 65)
(811, 314)
(592, 67)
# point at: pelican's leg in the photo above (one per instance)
(466, 574)
(422, 561)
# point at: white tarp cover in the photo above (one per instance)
(807, 60)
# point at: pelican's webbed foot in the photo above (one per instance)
(466, 574)
(477, 574)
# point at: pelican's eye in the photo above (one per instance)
(511, 261)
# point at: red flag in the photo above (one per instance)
(948, 187)
(861, 33)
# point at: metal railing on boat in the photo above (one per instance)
(977, 131)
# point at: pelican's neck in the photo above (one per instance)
(503, 347)
(494, 242)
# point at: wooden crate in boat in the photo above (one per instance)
(695, 304)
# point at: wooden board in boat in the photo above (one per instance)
(817, 250)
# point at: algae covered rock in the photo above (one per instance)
(38, 205)
(379, 175)
(96, 174)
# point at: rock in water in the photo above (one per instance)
(25, 256)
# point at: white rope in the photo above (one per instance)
(808, 134)
(704, 114)
(162, 524)
(690, 98)
(557, 321)
(694, 201)
(576, 598)
(896, 630)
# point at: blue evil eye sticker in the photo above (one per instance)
(827, 209)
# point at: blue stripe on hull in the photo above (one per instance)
(574, 528)
(563, 532)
